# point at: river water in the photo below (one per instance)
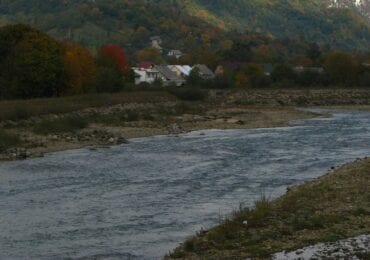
(140, 200)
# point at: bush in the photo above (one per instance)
(283, 72)
(60, 125)
(262, 210)
(8, 140)
(221, 82)
(109, 80)
(189, 94)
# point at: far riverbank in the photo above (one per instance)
(49, 125)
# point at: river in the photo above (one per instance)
(140, 200)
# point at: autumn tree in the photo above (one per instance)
(31, 63)
(149, 54)
(341, 68)
(113, 56)
(80, 69)
(113, 69)
(241, 80)
(256, 75)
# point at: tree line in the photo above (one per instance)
(33, 65)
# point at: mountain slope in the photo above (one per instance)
(96, 22)
(132, 22)
(362, 6)
(317, 20)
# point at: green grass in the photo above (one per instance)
(24, 109)
(60, 125)
(189, 93)
(334, 207)
(8, 140)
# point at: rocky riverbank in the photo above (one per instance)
(299, 97)
(108, 125)
(110, 131)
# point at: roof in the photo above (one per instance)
(300, 69)
(155, 38)
(145, 65)
(175, 52)
(167, 73)
(204, 70)
(184, 69)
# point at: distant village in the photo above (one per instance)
(169, 75)
(147, 72)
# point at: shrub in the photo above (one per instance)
(189, 94)
(60, 125)
(262, 210)
(8, 140)
(109, 80)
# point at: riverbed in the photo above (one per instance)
(140, 200)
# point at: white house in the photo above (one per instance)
(156, 42)
(145, 75)
(175, 53)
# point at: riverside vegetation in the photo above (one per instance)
(331, 208)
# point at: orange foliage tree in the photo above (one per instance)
(80, 69)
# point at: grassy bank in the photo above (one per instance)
(24, 109)
(8, 140)
(333, 207)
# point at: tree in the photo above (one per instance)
(80, 69)
(341, 67)
(149, 54)
(108, 80)
(31, 63)
(314, 52)
(283, 73)
(194, 78)
(113, 69)
(256, 75)
(241, 80)
(114, 56)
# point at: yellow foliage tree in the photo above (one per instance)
(80, 68)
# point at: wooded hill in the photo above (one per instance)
(338, 24)
(191, 22)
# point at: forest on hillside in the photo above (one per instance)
(192, 22)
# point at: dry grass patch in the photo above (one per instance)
(334, 207)
(8, 140)
(24, 109)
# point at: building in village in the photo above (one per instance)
(145, 73)
(175, 53)
(301, 69)
(205, 72)
(156, 42)
(176, 75)
(181, 70)
(168, 77)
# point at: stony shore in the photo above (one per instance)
(112, 125)
(96, 135)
